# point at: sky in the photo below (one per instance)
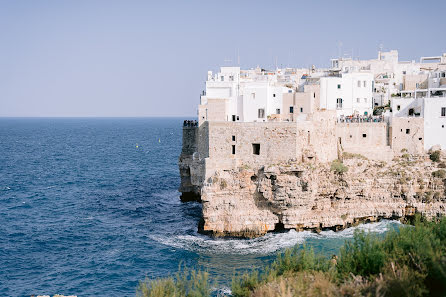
(131, 58)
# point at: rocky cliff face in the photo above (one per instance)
(250, 202)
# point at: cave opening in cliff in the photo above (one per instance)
(279, 227)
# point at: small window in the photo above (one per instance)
(411, 112)
(339, 103)
(365, 83)
(339, 86)
(443, 111)
(233, 137)
(278, 111)
(261, 113)
(222, 78)
(233, 117)
(420, 138)
(358, 100)
(301, 109)
(417, 85)
(231, 78)
(407, 131)
(233, 149)
(256, 148)
(364, 135)
(398, 107)
(238, 118)
(404, 72)
(274, 95)
(291, 109)
(290, 91)
(359, 83)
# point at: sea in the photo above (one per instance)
(90, 207)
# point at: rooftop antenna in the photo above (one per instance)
(339, 49)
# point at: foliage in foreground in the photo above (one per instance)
(185, 283)
(410, 261)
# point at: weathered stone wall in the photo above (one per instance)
(367, 139)
(407, 135)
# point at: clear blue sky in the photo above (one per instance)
(147, 58)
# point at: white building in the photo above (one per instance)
(348, 93)
(431, 106)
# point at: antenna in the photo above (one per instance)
(339, 49)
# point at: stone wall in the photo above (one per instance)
(367, 139)
(407, 135)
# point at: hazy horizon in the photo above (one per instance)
(141, 59)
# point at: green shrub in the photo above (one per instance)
(435, 156)
(338, 167)
(185, 283)
(439, 173)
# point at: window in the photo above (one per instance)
(278, 111)
(290, 91)
(339, 103)
(231, 78)
(443, 111)
(274, 95)
(411, 112)
(238, 118)
(314, 95)
(291, 109)
(398, 107)
(404, 72)
(364, 135)
(233, 117)
(358, 100)
(233, 137)
(417, 85)
(222, 78)
(256, 148)
(301, 109)
(233, 149)
(339, 86)
(364, 83)
(407, 131)
(359, 83)
(261, 114)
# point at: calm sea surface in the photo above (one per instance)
(90, 206)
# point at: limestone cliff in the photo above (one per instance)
(249, 202)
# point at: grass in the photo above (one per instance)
(338, 167)
(410, 261)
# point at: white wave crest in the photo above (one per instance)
(268, 244)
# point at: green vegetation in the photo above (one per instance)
(347, 155)
(435, 156)
(338, 167)
(439, 173)
(410, 261)
(186, 283)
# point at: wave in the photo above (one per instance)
(268, 244)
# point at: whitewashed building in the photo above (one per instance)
(348, 93)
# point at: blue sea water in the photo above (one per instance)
(90, 206)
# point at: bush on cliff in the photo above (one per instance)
(338, 167)
(435, 156)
